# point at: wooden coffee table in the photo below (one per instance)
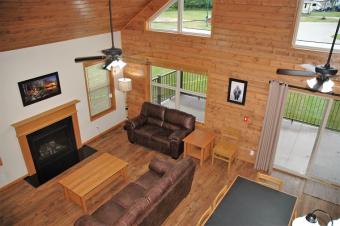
(199, 144)
(92, 178)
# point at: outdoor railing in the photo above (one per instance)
(310, 110)
(161, 94)
(190, 82)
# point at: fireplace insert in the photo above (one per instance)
(53, 149)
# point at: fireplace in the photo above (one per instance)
(50, 142)
(53, 149)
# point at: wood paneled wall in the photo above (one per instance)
(25, 23)
(250, 40)
(140, 87)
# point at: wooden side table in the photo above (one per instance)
(199, 144)
(226, 152)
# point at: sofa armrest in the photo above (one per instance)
(135, 122)
(178, 135)
(88, 220)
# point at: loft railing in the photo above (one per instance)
(310, 110)
(190, 83)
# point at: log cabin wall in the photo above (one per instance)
(30, 23)
(250, 40)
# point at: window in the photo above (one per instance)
(316, 25)
(181, 90)
(100, 90)
(184, 16)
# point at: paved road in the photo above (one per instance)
(317, 32)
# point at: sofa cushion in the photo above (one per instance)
(153, 110)
(160, 143)
(160, 166)
(109, 213)
(147, 131)
(170, 126)
(162, 137)
(158, 189)
(154, 121)
(137, 208)
(128, 195)
(148, 179)
(179, 118)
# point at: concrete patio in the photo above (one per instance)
(295, 146)
(189, 104)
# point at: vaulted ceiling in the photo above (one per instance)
(25, 23)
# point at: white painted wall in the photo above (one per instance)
(22, 64)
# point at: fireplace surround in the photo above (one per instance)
(26, 128)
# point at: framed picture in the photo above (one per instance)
(237, 91)
(39, 88)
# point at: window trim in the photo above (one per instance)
(112, 92)
(180, 8)
(296, 29)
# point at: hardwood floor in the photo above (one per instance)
(21, 204)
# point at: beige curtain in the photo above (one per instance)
(271, 125)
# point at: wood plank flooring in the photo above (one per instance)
(21, 204)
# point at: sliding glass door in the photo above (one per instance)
(309, 141)
(300, 126)
(325, 164)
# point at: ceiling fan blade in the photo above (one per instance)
(295, 72)
(80, 59)
(308, 67)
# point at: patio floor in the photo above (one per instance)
(295, 146)
(189, 104)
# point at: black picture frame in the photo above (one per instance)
(237, 91)
(39, 88)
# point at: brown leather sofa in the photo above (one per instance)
(149, 200)
(160, 128)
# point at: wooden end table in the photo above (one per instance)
(92, 178)
(226, 152)
(199, 144)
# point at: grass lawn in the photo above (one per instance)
(190, 81)
(318, 17)
(193, 18)
(326, 14)
(310, 109)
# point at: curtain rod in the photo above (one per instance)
(303, 88)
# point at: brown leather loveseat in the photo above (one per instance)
(149, 200)
(160, 128)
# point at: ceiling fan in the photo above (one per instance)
(111, 56)
(321, 73)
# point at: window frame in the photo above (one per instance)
(296, 30)
(112, 91)
(180, 8)
(178, 90)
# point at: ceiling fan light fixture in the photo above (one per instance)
(312, 82)
(116, 65)
(327, 86)
(321, 86)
